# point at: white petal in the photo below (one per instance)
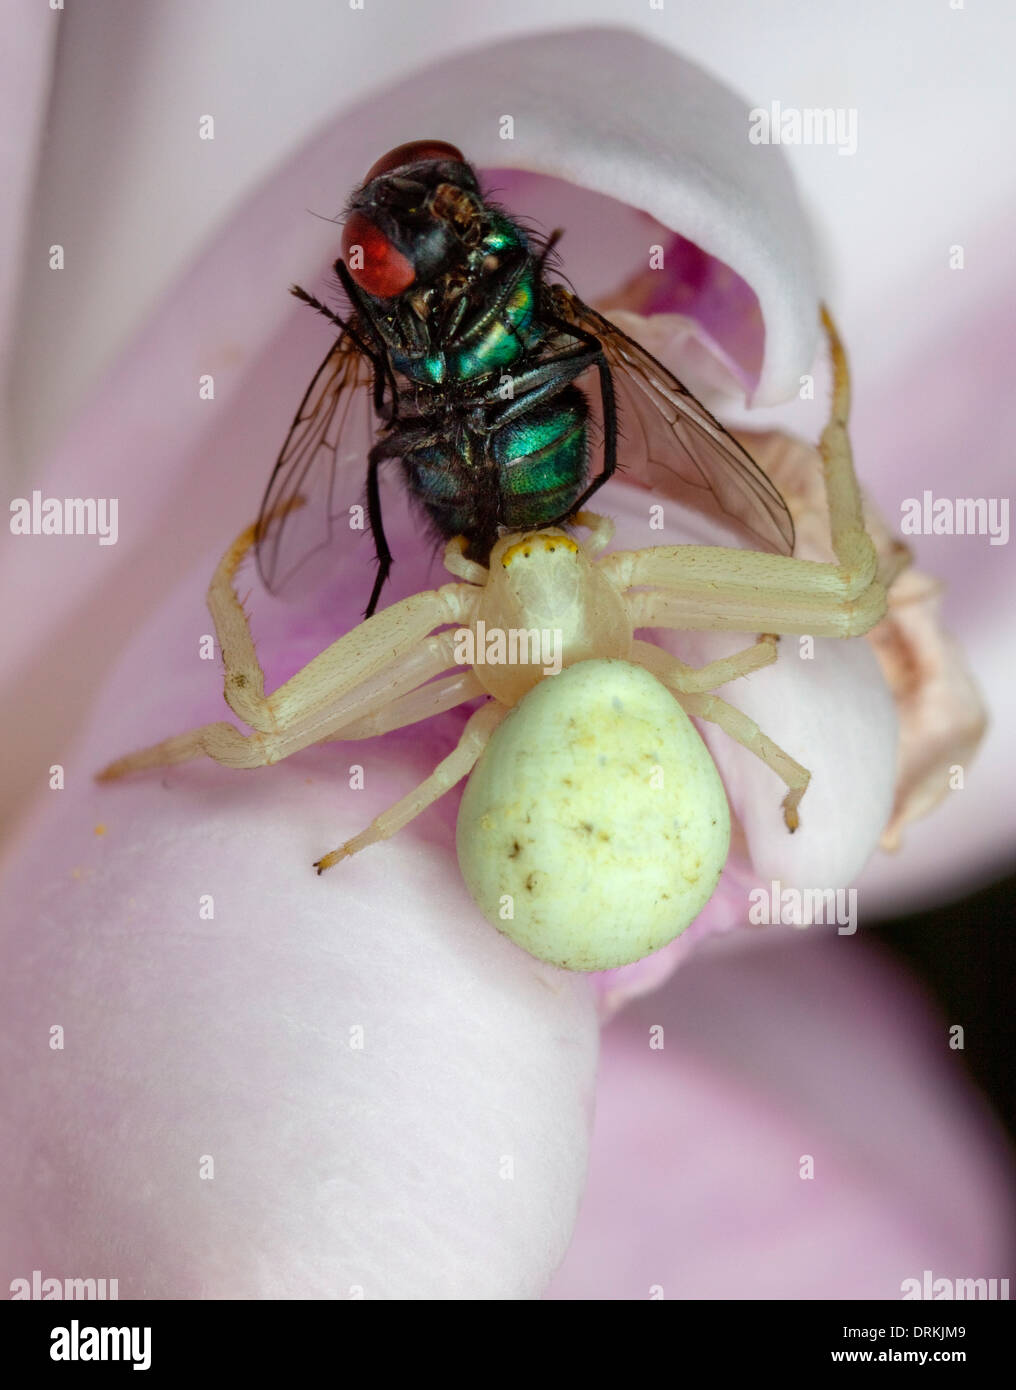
(440, 1153)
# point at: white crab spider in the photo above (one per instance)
(389, 672)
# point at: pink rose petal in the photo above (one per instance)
(801, 1046)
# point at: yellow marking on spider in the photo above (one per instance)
(527, 546)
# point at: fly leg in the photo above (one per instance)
(538, 384)
(395, 444)
(383, 374)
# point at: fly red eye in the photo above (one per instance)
(412, 152)
(377, 266)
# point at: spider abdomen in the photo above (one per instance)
(595, 826)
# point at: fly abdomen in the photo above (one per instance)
(456, 482)
(542, 459)
(525, 473)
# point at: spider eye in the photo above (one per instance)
(379, 268)
(412, 153)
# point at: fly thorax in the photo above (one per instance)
(545, 606)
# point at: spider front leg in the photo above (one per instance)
(695, 592)
(691, 686)
(713, 587)
(358, 676)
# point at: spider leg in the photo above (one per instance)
(449, 770)
(743, 590)
(346, 663)
(710, 601)
(318, 714)
(699, 679)
(376, 664)
(687, 685)
(748, 734)
(851, 542)
(457, 563)
(433, 698)
(600, 528)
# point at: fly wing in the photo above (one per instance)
(673, 443)
(304, 514)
